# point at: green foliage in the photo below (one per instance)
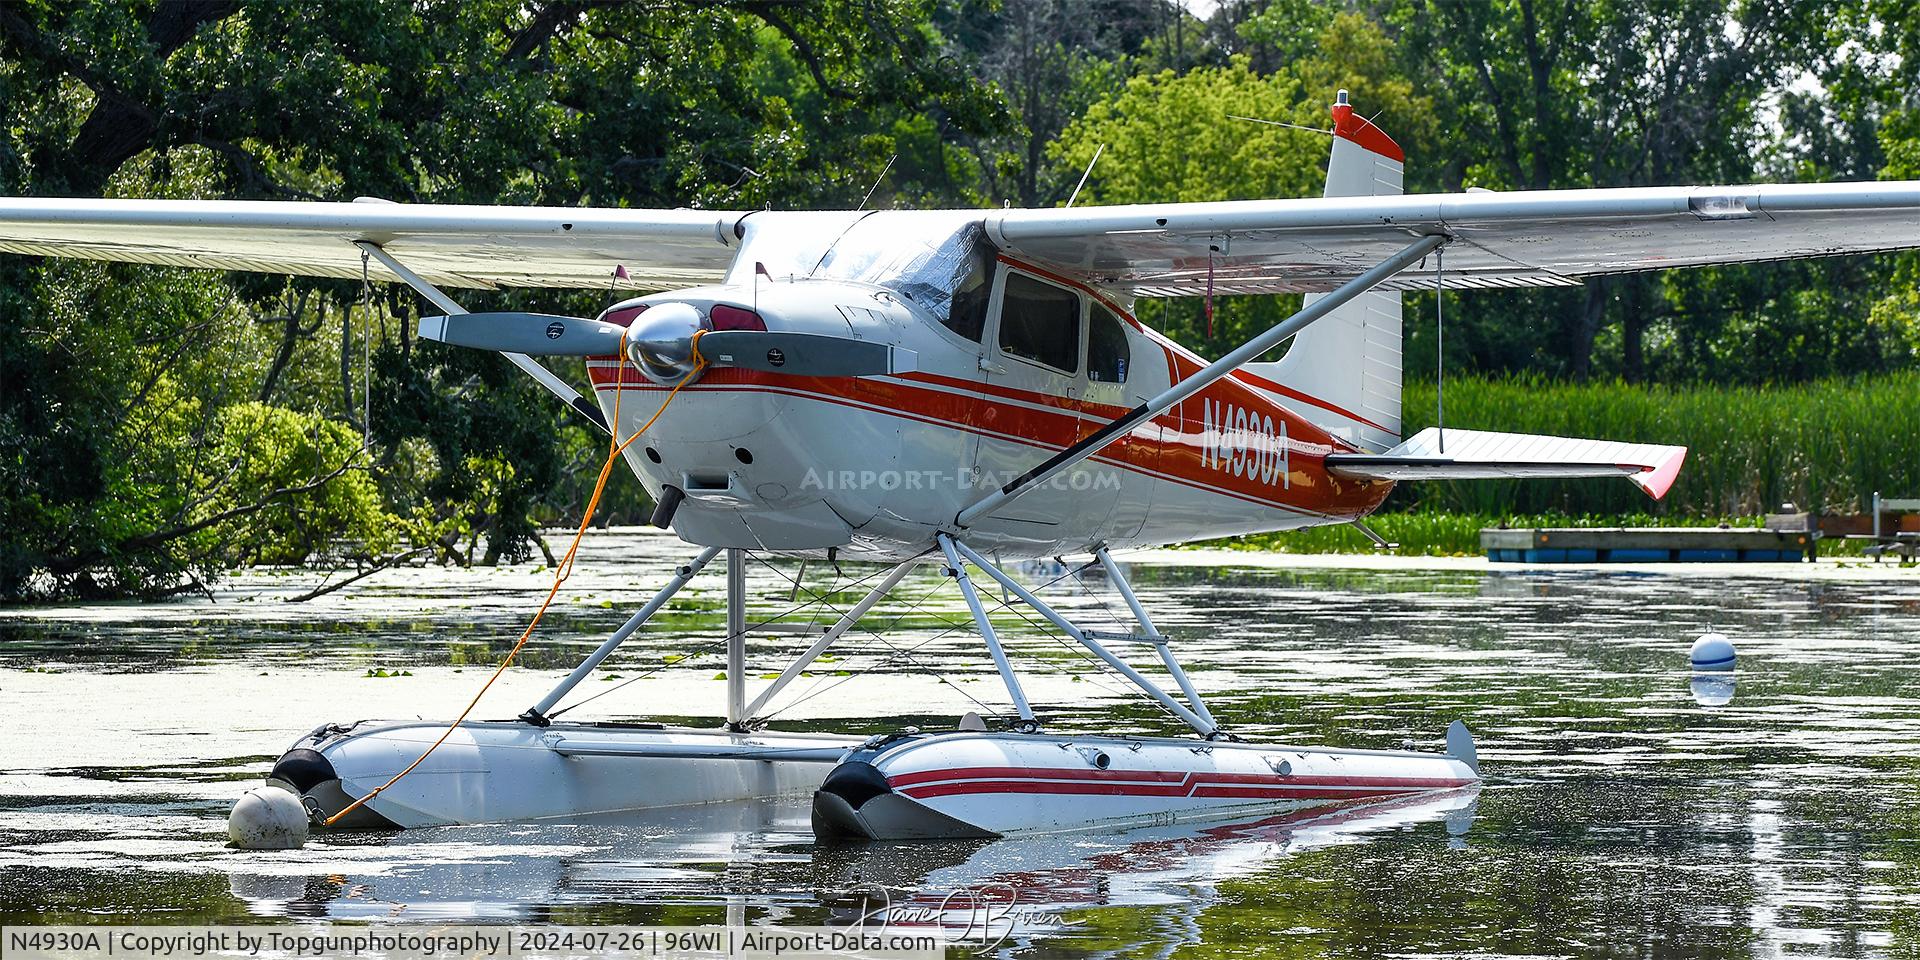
(1175, 137)
(257, 449)
(1172, 137)
(137, 403)
(141, 407)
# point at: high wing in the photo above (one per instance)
(1526, 239)
(1542, 238)
(449, 245)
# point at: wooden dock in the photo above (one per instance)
(1646, 545)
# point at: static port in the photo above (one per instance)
(743, 455)
(653, 455)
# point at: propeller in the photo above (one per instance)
(534, 334)
(662, 343)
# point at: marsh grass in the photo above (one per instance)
(1825, 446)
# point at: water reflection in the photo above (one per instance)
(758, 862)
(1626, 810)
(1712, 689)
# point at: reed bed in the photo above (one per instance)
(1436, 534)
(1823, 446)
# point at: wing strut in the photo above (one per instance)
(1251, 350)
(532, 367)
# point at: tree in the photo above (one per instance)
(1576, 93)
(1178, 137)
(736, 103)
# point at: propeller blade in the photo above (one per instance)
(803, 354)
(535, 334)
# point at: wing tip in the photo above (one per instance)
(1657, 479)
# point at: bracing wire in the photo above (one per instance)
(707, 648)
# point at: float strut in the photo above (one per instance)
(538, 715)
(1166, 653)
(1119, 666)
(958, 570)
(736, 638)
(845, 623)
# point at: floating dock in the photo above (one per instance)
(1646, 545)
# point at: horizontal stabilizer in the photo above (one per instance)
(1483, 455)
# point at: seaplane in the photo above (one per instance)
(969, 389)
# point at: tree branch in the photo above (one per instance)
(326, 588)
(147, 541)
(252, 176)
(545, 25)
(801, 46)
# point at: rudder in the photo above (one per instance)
(1350, 359)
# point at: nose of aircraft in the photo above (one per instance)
(660, 341)
(660, 337)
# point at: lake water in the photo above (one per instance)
(1620, 815)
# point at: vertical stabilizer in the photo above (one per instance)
(1350, 359)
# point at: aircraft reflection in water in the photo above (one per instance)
(993, 889)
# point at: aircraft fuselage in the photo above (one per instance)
(874, 467)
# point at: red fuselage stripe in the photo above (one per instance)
(1179, 452)
(1151, 783)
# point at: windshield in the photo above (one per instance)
(947, 270)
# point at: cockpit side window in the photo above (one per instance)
(1040, 322)
(967, 311)
(1107, 350)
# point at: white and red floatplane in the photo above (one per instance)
(902, 387)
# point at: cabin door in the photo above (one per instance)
(1036, 385)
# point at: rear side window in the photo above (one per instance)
(1040, 322)
(1107, 350)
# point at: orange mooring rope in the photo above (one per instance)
(615, 447)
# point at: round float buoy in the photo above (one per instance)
(268, 818)
(1712, 652)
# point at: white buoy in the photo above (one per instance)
(268, 818)
(1712, 652)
